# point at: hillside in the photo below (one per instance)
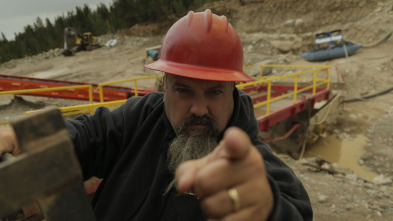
(275, 31)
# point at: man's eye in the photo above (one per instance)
(215, 92)
(182, 90)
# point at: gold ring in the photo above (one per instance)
(234, 196)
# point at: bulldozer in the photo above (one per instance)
(75, 41)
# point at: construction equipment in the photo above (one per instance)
(330, 45)
(47, 171)
(75, 41)
(153, 52)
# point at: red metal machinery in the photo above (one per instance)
(285, 112)
(111, 93)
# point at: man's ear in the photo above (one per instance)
(159, 84)
(164, 82)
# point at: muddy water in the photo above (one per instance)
(346, 153)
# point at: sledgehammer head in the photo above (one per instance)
(47, 170)
(31, 128)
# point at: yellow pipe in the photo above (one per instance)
(130, 79)
(26, 91)
(135, 89)
(269, 87)
(95, 105)
(5, 123)
(295, 89)
(100, 86)
(101, 93)
(329, 76)
(314, 83)
(85, 106)
(261, 72)
(91, 99)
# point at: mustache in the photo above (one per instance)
(196, 120)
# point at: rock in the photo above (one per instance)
(303, 161)
(255, 72)
(335, 166)
(249, 48)
(325, 166)
(382, 180)
(297, 44)
(351, 177)
(284, 46)
(289, 23)
(308, 35)
(341, 136)
(299, 22)
(111, 43)
(348, 207)
(322, 198)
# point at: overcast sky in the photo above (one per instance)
(16, 14)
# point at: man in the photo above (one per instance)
(192, 152)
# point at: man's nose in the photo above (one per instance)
(199, 106)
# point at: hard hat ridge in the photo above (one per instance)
(208, 20)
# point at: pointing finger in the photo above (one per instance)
(235, 145)
(186, 173)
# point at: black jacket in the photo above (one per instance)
(128, 147)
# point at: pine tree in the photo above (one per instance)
(121, 14)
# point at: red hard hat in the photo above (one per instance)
(202, 46)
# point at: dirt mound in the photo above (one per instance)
(16, 107)
(150, 30)
(19, 103)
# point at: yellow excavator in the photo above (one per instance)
(75, 41)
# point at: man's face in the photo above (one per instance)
(187, 98)
(198, 111)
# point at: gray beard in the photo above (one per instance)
(190, 145)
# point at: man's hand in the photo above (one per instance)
(8, 143)
(234, 165)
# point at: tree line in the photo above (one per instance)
(44, 35)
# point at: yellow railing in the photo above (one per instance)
(263, 80)
(26, 91)
(101, 85)
(74, 110)
(4, 123)
(80, 109)
(86, 108)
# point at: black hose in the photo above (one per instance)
(369, 96)
(379, 41)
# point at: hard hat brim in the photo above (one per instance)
(198, 72)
